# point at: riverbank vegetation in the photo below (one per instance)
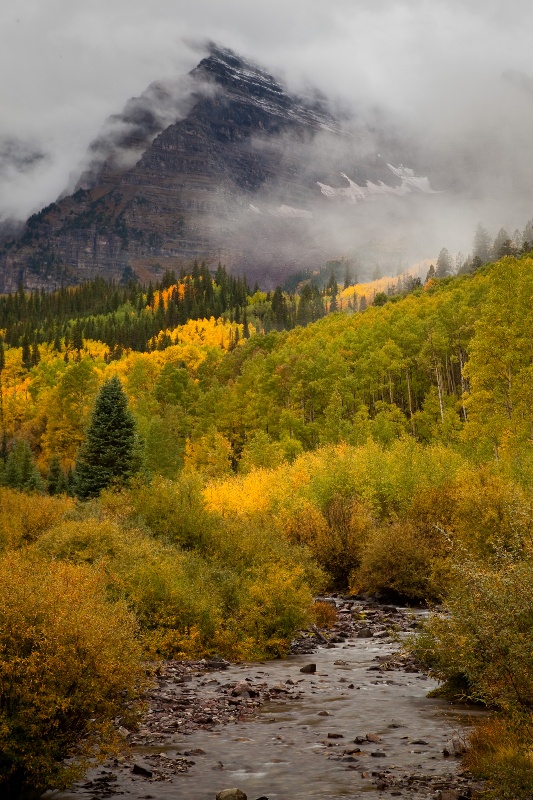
(387, 450)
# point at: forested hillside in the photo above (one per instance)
(238, 467)
(448, 363)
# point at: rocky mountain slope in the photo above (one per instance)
(224, 165)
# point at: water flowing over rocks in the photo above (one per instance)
(358, 722)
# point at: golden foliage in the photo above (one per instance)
(24, 517)
(324, 614)
(205, 332)
(501, 754)
(69, 664)
(209, 455)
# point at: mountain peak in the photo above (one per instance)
(235, 73)
(223, 164)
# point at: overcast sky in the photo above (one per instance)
(66, 65)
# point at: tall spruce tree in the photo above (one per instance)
(57, 483)
(20, 471)
(108, 453)
(444, 264)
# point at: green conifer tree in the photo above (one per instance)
(108, 454)
(56, 479)
(444, 264)
(35, 354)
(245, 327)
(20, 471)
(26, 353)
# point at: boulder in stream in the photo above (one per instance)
(231, 794)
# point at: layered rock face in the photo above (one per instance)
(235, 178)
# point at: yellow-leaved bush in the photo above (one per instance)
(24, 517)
(69, 664)
(194, 601)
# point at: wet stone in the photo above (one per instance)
(231, 794)
(138, 769)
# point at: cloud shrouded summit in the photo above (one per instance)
(452, 78)
(224, 164)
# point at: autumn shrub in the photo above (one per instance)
(324, 614)
(398, 559)
(339, 549)
(190, 603)
(486, 638)
(330, 500)
(24, 517)
(247, 542)
(331, 524)
(501, 754)
(432, 511)
(169, 591)
(334, 537)
(174, 511)
(176, 602)
(69, 665)
(268, 606)
(278, 603)
(91, 541)
(301, 521)
(491, 514)
(265, 584)
(331, 472)
(481, 651)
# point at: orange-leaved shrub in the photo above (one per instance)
(69, 665)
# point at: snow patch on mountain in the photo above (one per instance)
(289, 212)
(353, 193)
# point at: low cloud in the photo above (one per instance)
(450, 81)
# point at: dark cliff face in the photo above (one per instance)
(229, 181)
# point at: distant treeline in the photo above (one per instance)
(129, 315)
(126, 315)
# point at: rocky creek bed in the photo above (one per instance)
(345, 716)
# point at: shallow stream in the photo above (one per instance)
(310, 742)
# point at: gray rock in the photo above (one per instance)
(231, 794)
(139, 770)
(455, 747)
(242, 689)
(309, 669)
